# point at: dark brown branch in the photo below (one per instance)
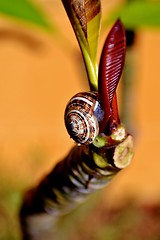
(82, 172)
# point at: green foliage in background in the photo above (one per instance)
(25, 11)
(135, 14)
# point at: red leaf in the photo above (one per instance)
(110, 69)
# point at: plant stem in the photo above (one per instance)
(84, 170)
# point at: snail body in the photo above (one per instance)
(82, 116)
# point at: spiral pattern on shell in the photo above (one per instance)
(82, 114)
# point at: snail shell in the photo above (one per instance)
(82, 116)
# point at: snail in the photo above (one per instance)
(82, 116)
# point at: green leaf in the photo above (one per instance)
(85, 18)
(25, 11)
(137, 14)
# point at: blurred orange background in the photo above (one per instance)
(39, 73)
